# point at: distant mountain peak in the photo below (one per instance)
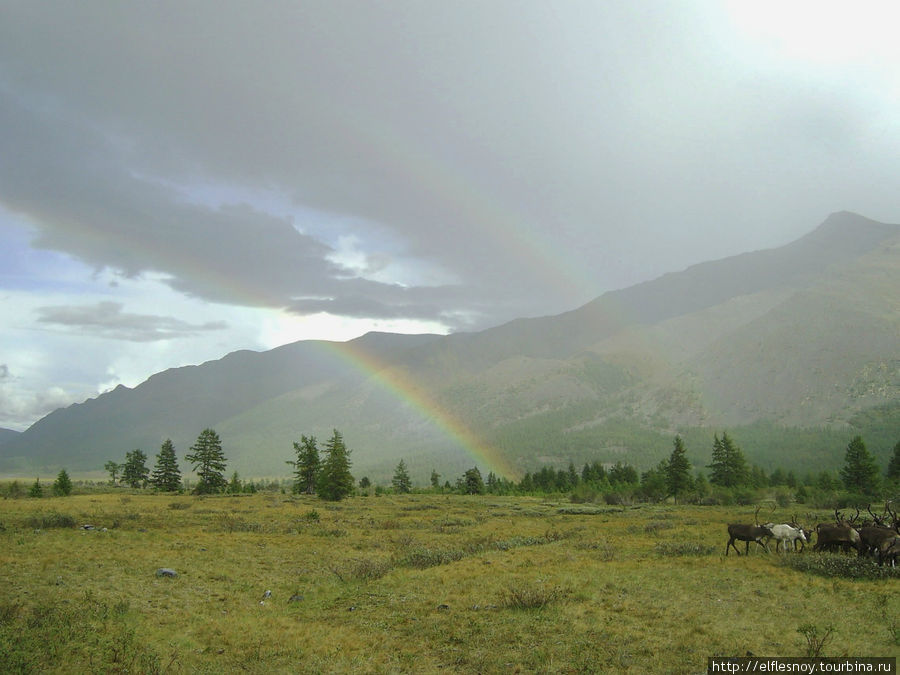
(761, 336)
(848, 223)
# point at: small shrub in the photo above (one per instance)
(586, 510)
(656, 526)
(745, 496)
(50, 520)
(684, 548)
(312, 516)
(584, 493)
(331, 532)
(422, 557)
(604, 548)
(369, 569)
(815, 642)
(847, 567)
(783, 498)
(531, 597)
(228, 522)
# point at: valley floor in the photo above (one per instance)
(408, 583)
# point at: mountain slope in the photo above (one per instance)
(806, 336)
(7, 435)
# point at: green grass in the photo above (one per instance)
(410, 583)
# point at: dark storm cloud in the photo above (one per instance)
(106, 319)
(538, 153)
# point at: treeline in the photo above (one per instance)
(330, 477)
(567, 434)
(730, 480)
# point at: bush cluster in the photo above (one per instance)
(847, 567)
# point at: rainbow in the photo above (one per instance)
(397, 382)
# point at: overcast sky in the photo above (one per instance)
(179, 180)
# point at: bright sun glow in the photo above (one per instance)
(280, 328)
(829, 32)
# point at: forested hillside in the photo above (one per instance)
(792, 350)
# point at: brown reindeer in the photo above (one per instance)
(877, 538)
(829, 537)
(747, 533)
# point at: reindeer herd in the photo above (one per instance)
(877, 537)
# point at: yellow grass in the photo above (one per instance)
(414, 583)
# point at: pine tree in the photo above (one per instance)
(234, 486)
(208, 460)
(718, 467)
(36, 490)
(574, 478)
(623, 474)
(401, 481)
(737, 465)
(435, 479)
(728, 467)
(166, 475)
(335, 480)
(62, 487)
(893, 470)
(593, 473)
(306, 466)
(472, 482)
(860, 473)
(678, 470)
(135, 472)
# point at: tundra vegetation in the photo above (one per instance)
(421, 582)
(602, 569)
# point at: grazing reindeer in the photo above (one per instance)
(747, 533)
(891, 555)
(836, 536)
(873, 540)
(889, 549)
(785, 533)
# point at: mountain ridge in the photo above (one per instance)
(768, 337)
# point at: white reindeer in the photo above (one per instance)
(784, 533)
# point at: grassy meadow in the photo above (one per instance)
(409, 583)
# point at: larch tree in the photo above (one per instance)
(401, 480)
(208, 460)
(306, 466)
(472, 483)
(36, 491)
(893, 469)
(728, 467)
(860, 472)
(678, 470)
(62, 486)
(166, 475)
(135, 472)
(335, 480)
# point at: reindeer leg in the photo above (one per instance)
(730, 544)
